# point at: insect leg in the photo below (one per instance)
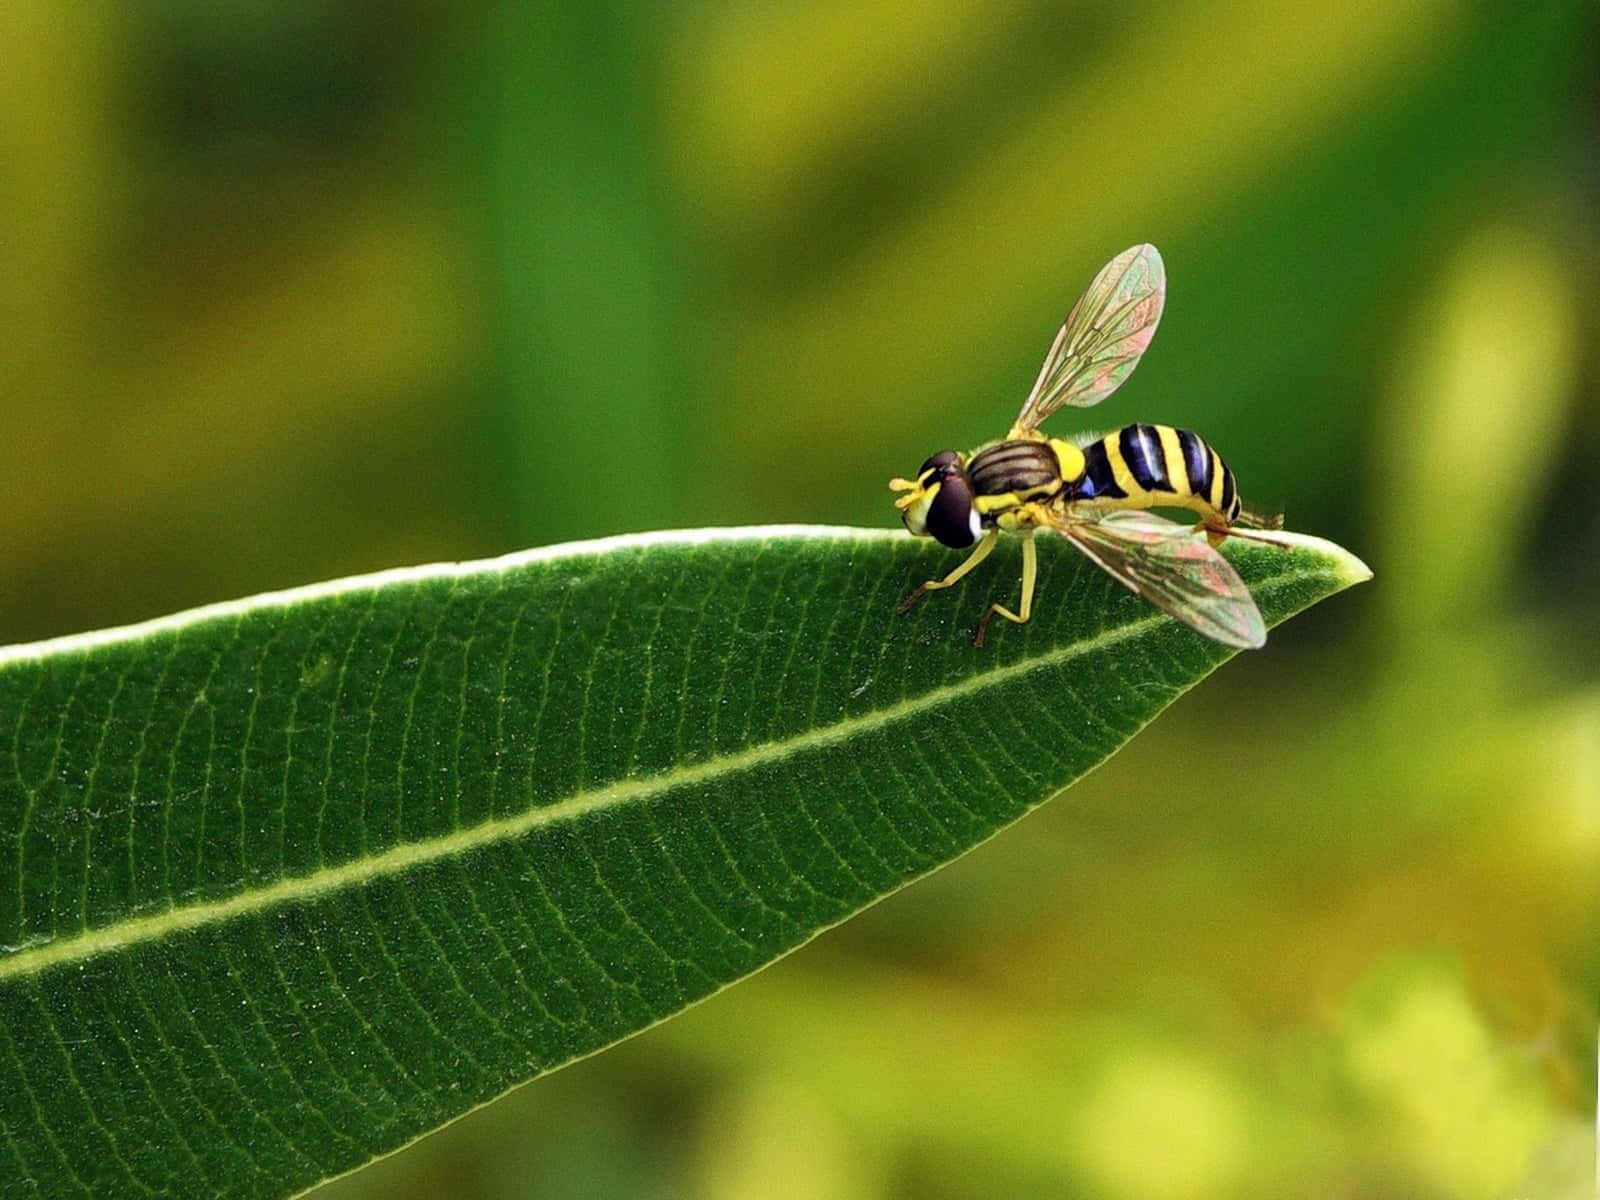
(1265, 535)
(973, 559)
(1030, 576)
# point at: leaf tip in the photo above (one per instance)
(1347, 570)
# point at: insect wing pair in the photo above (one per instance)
(1165, 562)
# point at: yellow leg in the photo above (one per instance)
(1030, 575)
(973, 559)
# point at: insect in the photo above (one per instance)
(1096, 491)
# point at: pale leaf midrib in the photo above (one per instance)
(398, 859)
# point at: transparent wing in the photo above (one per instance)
(1175, 569)
(1103, 337)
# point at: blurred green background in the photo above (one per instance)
(302, 289)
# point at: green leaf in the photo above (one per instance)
(293, 880)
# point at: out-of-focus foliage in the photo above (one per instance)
(301, 289)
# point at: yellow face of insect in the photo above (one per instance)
(914, 504)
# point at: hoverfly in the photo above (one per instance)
(1096, 491)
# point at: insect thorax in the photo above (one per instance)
(1021, 468)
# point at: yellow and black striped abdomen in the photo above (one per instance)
(1157, 466)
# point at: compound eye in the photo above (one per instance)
(951, 517)
(941, 460)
